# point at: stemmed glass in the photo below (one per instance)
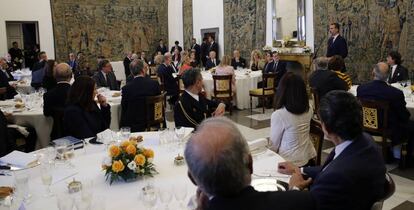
(165, 195)
(180, 192)
(65, 202)
(46, 175)
(180, 133)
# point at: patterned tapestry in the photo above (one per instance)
(371, 27)
(108, 27)
(188, 23)
(244, 26)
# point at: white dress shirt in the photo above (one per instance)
(196, 97)
(289, 136)
(393, 68)
(340, 148)
(334, 38)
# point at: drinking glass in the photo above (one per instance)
(148, 196)
(21, 179)
(165, 194)
(125, 132)
(180, 193)
(87, 191)
(64, 201)
(46, 176)
(180, 133)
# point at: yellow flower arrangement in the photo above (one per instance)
(127, 161)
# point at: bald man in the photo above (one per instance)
(238, 61)
(220, 164)
(54, 100)
(398, 116)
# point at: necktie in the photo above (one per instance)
(329, 159)
(275, 67)
(108, 82)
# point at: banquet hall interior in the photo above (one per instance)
(118, 104)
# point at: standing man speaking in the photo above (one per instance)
(336, 44)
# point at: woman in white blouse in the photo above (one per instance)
(290, 123)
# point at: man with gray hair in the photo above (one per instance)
(134, 113)
(7, 91)
(399, 117)
(54, 100)
(324, 80)
(165, 73)
(220, 164)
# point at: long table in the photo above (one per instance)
(124, 195)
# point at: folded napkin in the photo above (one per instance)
(258, 144)
(22, 130)
(106, 136)
(20, 159)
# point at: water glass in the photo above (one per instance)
(165, 194)
(87, 191)
(180, 193)
(65, 201)
(148, 196)
(125, 132)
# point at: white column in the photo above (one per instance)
(310, 39)
(175, 22)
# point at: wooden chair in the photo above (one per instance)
(316, 136)
(268, 90)
(153, 72)
(375, 122)
(180, 84)
(316, 100)
(223, 90)
(155, 111)
(389, 189)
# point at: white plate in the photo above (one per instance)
(266, 184)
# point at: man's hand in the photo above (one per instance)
(220, 110)
(102, 100)
(287, 168)
(202, 200)
(296, 180)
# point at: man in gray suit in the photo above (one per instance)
(105, 77)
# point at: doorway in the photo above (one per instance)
(26, 35)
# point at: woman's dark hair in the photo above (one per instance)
(291, 94)
(81, 93)
(50, 67)
(336, 63)
(341, 113)
(396, 56)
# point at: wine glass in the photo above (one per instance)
(69, 154)
(165, 195)
(149, 196)
(180, 193)
(180, 133)
(64, 201)
(87, 191)
(46, 176)
(21, 179)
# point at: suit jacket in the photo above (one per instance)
(398, 114)
(353, 180)
(134, 113)
(81, 124)
(325, 81)
(173, 48)
(204, 52)
(400, 74)
(250, 199)
(279, 70)
(54, 102)
(39, 65)
(7, 143)
(166, 75)
(162, 49)
(102, 82)
(127, 61)
(197, 49)
(214, 47)
(241, 63)
(210, 64)
(73, 64)
(339, 47)
(4, 83)
(196, 110)
(8, 75)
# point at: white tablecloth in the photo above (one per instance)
(43, 125)
(409, 98)
(121, 195)
(244, 83)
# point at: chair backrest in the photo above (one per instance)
(180, 83)
(315, 99)
(153, 70)
(375, 116)
(155, 110)
(222, 85)
(316, 136)
(389, 189)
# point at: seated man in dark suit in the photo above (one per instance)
(134, 113)
(105, 77)
(165, 73)
(193, 108)
(220, 164)
(353, 175)
(7, 91)
(398, 117)
(277, 67)
(397, 72)
(41, 63)
(324, 80)
(9, 135)
(238, 61)
(54, 100)
(212, 61)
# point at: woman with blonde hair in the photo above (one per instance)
(224, 68)
(186, 65)
(256, 62)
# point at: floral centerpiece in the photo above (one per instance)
(128, 160)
